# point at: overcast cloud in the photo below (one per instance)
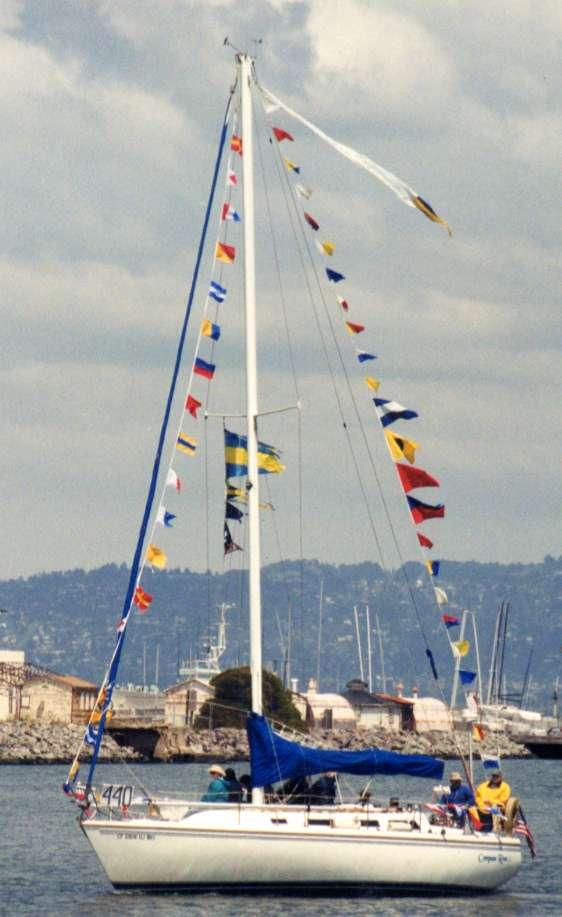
(110, 114)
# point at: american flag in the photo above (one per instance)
(436, 808)
(521, 827)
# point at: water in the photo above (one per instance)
(47, 866)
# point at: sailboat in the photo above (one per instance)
(153, 842)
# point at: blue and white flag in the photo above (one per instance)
(491, 762)
(217, 292)
(164, 517)
(389, 411)
(363, 356)
(91, 735)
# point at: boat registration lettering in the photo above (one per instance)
(117, 795)
(135, 836)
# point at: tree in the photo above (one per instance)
(233, 689)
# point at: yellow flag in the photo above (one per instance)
(291, 165)
(460, 648)
(156, 557)
(400, 447)
(270, 463)
(372, 383)
(326, 248)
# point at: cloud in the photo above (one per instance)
(111, 116)
(371, 51)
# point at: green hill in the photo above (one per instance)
(66, 620)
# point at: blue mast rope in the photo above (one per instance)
(156, 467)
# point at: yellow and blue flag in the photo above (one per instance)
(187, 444)
(210, 330)
(236, 456)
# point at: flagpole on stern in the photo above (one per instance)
(245, 63)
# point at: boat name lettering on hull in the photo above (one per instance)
(489, 858)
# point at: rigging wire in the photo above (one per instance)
(343, 366)
(295, 220)
(284, 312)
(286, 185)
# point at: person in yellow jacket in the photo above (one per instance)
(492, 795)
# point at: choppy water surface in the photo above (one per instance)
(47, 866)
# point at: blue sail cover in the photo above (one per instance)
(274, 758)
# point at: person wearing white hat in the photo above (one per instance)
(218, 789)
(459, 798)
(459, 794)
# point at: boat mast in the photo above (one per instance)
(245, 65)
(369, 651)
(458, 663)
(359, 649)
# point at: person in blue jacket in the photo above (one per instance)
(218, 789)
(459, 795)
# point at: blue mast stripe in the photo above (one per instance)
(156, 467)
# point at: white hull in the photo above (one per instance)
(242, 849)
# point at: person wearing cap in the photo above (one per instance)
(459, 794)
(458, 798)
(492, 795)
(218, 789)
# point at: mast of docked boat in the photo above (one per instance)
(245, 64)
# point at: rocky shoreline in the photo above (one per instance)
(53, 743)
(47, 743)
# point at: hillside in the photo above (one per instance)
(66, 620)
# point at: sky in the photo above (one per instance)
(110, 114)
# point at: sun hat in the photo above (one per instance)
(216, 769)
(454, 775)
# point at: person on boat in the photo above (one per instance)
(323, 790)
(234, 786)
(246, 784)
(295, 791)
(458, 795)
(218, 789)
(491, 798)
